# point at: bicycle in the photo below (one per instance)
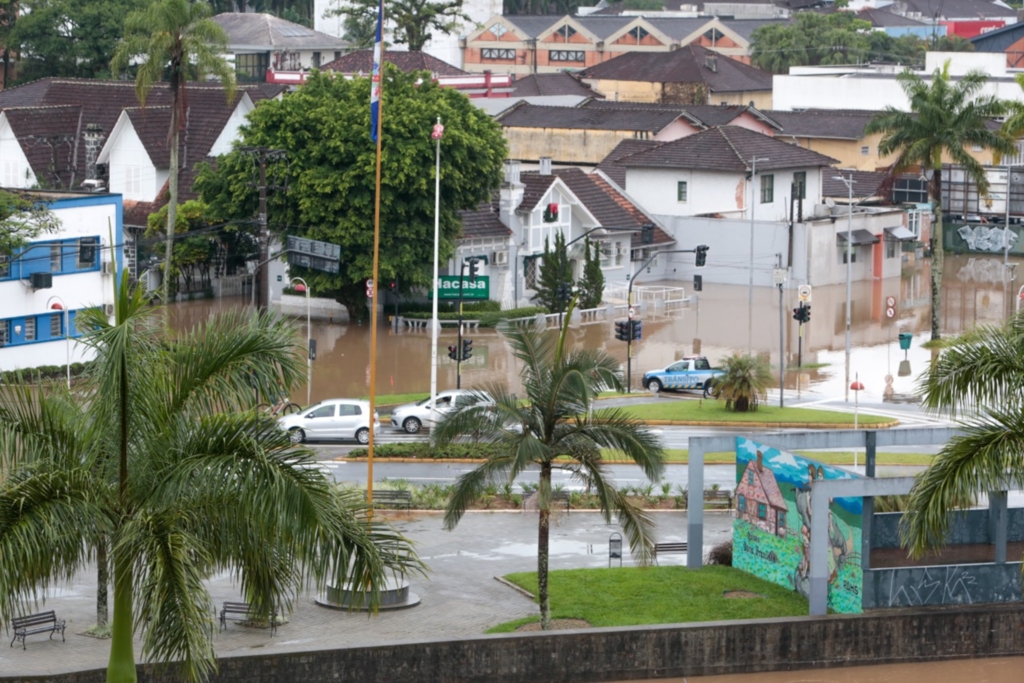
(282, 407)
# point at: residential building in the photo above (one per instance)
(896, 25)
(259, 43)
(689, 75)
(545, 44)
(360, 63)
(963, 18)
(837, 134)
(1009, 40)
(509, 233)
(47, 284)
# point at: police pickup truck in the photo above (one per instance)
(693, 372)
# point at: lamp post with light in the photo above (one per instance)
(55, 303)
(300, 286)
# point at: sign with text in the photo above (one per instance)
(448, 287)
(326, 250)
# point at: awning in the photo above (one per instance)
(900, 233)
(860, 238)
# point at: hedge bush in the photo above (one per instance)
(423, 450)
(31, 375)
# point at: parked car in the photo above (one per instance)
(412, 417)
(336, 418)
(693, 372)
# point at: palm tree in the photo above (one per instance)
(178, 39)
(946, 118)
(976, 381)
(165, 458)
(554, 429)
(744, 383)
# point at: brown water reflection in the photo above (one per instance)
(715, 326)
(997, 670)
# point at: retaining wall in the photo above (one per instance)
(615, 654)
(965, 527)
(963, 584)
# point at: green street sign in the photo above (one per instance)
(448, 287)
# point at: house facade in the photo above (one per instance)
(259, 43)
(759, 500)
(45, 285)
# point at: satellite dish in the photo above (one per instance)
(830, 203)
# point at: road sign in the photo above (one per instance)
(890, 301)
(890, 312)
(779, 276)
(631, 312)
(369, 289)
(803, 294)
(313, 262)
(448, 287)
(313, 254)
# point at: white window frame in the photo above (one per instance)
(30, 329)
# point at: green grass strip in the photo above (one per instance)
(714, 411)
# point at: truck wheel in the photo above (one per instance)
(654, 385)
(707, 388)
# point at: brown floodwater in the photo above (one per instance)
(715, 325)
(996, 670)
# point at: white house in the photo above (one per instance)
(59, 274)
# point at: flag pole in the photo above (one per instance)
(376, 90)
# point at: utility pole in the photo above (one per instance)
(750, 288)
(263, 155)
(782, 350)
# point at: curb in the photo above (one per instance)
(517, 589)
(777, 425)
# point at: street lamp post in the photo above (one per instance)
(849, 182)
(750, 287)
(303, 287)
(59, 305)
(436, 134)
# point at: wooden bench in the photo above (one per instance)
(720, 498)
(36, 623)
(395, 499)
(242, 611)
(666, 548)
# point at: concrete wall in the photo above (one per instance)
(761, 99)
(15, 171)
(970, 526)
(640, 652)
(964, 584)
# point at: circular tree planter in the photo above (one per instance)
(395, 595)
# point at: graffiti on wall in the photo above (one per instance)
(987, 238)
(772, 526)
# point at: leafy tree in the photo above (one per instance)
(591, 285)
(176, 37)
(168, 460)
(8, 16)
(330, 175)
(952, 44)
(21, 220)
(810, 39)
(946, 117)
(410, 22)
(555, 274)
(554, 429)
(745, 382)
(976, 383)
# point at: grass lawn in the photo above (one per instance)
(397, 399)
(714, 411)
(828, 457)
(632, 596)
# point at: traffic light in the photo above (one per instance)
(635, 329)
(563, 292)
(647, 233)
(698, 283)
(453, 352)
(802, 314)
(473, 264)
(701, 254)
(622, 330)
(807, 313)
(467, 349)
(393, 286)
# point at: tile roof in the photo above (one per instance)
(563, 83)
(630, 119)
(602, 27)
(822, 123)
(535, 187)
(706, 115)
(729, 149)
(882, 18)
(47, 136)
(865, 184)
(955, 9)
(252, 29)
(616, 171)
(689, 64)
(361, 61)
(485, 221)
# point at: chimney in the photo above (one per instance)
(511, 195)
(711, 62)
(760, 461)
(93, 144)
(545, 165)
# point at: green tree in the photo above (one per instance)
(811, 39)
(170, 462)
(8, 17)
(176, 38)
(976, 383)
(745, 382)
(410, 22)
(591, 285)
(554, 429)
(22, 219)
(555, 274)
(952, 44)
(325, 126)
(946, 117)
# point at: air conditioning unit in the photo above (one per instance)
(499, 258)
(108, 310)
(41, 280)
(107, 267)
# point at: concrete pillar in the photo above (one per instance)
(819, 552)
(997, 521)
(695, 507)
(868, 502)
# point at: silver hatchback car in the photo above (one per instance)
(336, 418)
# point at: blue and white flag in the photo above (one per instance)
(375, 78)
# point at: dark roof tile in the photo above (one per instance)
(361, 61)
(822, 123)
(616, 171)
(528, 115)
(689, 64)
(254, 29)
(485, 221)
(537, 85)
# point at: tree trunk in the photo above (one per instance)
(543, 534)
(937, 255)
(172, 203)
(102, 582)
(121, 667)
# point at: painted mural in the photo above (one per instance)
(772, 526)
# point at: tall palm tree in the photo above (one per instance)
(554, 429)
(976, 381)
(165, 458)
(946, 117)
(176, 39)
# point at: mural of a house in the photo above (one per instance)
(759, 500)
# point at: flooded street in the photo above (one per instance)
(996, 670)
(715, 325)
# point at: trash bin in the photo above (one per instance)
(615, 548)
(905, 338)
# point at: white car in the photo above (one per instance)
(412, 417)
(336, 418)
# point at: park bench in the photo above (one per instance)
(556, 496)
(718, 498)
(666, 548)
(395, 499)
(36, 623)
(242, 611)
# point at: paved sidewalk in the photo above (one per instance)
(459, 598)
